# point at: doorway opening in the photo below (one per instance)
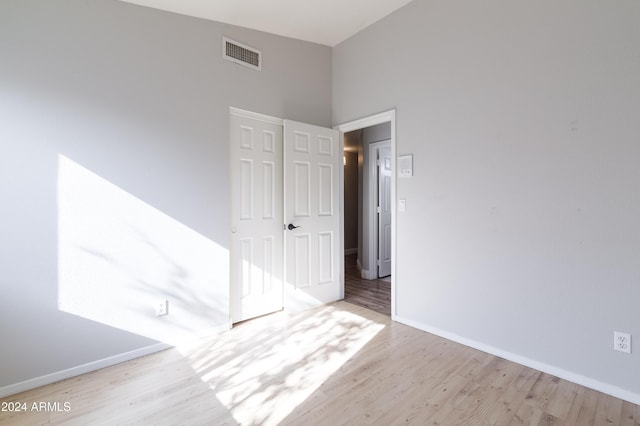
(369, 211)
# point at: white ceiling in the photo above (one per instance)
(325, 22)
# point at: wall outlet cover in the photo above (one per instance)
(162, 308)
(622, 342)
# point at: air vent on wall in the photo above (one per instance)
(241, 54)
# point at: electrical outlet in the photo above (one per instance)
(622, 342)
(162, 308)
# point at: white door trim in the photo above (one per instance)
(383, 117)
(255, 116)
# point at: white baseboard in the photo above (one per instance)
(81, 369)
(108, 362)
(540, 366)
(350, 251)
(367, 275)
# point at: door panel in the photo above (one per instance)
(301, 189)
(384, 217)
(268, 189)
(325, 190)
(301, 261)
(256, 218)
(312, 251)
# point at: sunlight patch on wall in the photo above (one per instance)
(245, 366)
(118, 257)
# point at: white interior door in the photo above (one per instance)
(256, 217)
(313, 257)
(384, 211)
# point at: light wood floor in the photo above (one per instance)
(337, 364)
(371, 294)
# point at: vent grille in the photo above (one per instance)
(241, 54)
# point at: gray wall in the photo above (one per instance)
(521, 232)
(135, 102)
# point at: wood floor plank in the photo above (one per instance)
(337, 364)
(583, 409)
(516, 394)
(527, 415)
(508, 384)
(609, 410)
(561, 398)
(627, 415)
(539, 395)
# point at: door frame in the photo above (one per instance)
(361, 123)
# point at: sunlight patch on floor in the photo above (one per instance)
(245, 366)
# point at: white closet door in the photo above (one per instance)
(256, 218)
(312, 213)
(384, 212)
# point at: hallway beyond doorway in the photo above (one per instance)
(370, 294)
